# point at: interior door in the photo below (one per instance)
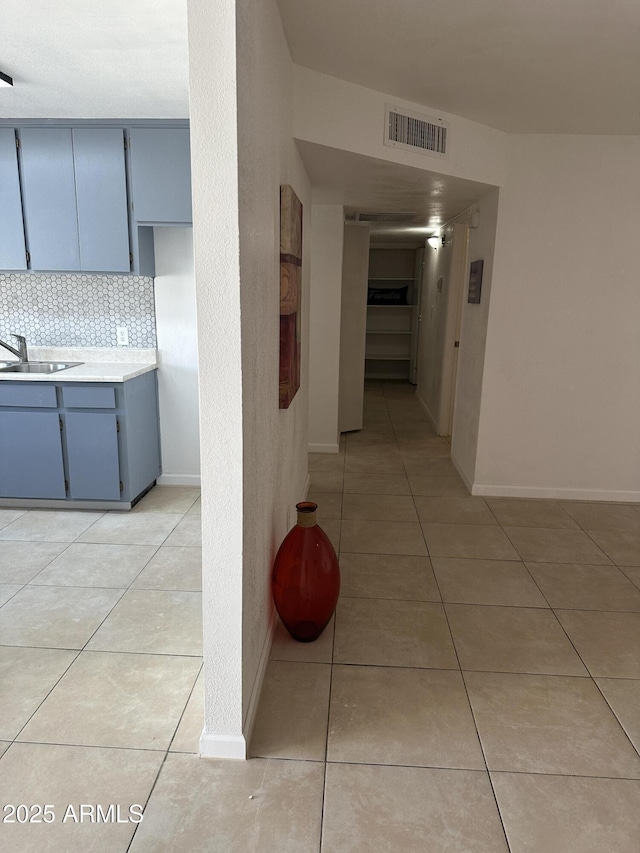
(458, 277)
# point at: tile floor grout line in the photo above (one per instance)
(100, 651)
(326, 742)
(634, 746)
(478, 770)
(64, 551)
(593, 679)
(622, 569)
(92, 746)
(596, 530)
(193, 687)
(11, 597)
(148, 799)
(62, 675)
(484, 754)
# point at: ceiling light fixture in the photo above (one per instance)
(5, 80)
(436, 241)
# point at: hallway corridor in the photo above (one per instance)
(477, 692)
(483, 675)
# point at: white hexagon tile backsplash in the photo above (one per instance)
(77, 309)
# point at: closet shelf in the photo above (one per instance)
(389, 331)
(386, 358)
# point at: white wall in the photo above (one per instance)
(433, 310)
(473, 334)
(342, 115)
(214, 167)
(254, 455)
(175, 301)
(324, 329)
(561, 389)
(275, 441)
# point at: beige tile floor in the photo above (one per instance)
(478, 689)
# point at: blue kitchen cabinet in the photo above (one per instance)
(101, 197)
(31, 458)
(93, 456)
(13, 255)
(49, 198)
(31, 464)
(79, 443)
(160, 161)
(74, 195)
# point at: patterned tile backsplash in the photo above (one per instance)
(77, 309)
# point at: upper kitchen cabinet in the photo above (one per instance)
(12, 248)
(74, 197)
(101, 195)
(160, 175)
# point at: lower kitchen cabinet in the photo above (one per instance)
(31, 462)
(79, 442)
(93, 455)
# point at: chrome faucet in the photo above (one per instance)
(21, 352)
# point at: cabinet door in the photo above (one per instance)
(101, 191)
(92, 455)
(49, 198)
(12, 249)
(31, 455)
(160, 175)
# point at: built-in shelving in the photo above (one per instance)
(390, 327)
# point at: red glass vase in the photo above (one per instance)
(306, 577)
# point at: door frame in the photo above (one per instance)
(457, 281)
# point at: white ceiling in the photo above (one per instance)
(538, 66)
(566, 66)
(94, 59)
(522, 66)
(365, 184)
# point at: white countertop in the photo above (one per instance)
(87, 372)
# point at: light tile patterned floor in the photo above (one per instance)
(477, 691)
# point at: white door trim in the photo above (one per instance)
(457, 280)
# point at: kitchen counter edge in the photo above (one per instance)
(87, 372)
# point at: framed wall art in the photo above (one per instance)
(290, 290)
(475, 282)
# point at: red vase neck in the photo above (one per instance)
(307, 514)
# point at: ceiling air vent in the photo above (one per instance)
(414, 132)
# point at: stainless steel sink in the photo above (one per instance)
(36, 366)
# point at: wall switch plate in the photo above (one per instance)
(122, 336)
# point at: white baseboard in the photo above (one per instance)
(463, 475)
(491, 490)
(214, 745)
(432, 420)
(179, 480)
(259, 679)
(323, 448)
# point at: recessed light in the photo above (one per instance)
(5, 80)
